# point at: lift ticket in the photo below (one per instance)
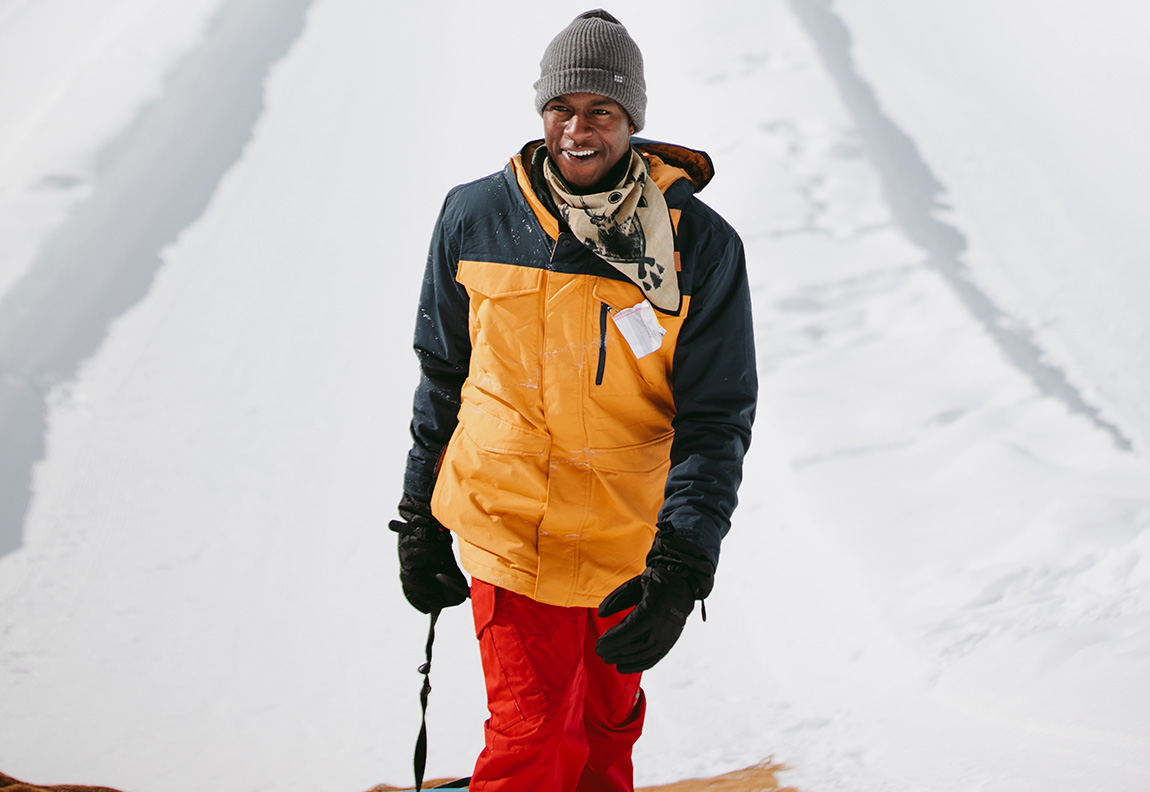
(639, 326)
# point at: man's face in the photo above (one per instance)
(586, 134)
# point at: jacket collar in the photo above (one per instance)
(679, 172)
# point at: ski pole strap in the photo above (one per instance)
(421, 741)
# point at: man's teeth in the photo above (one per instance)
(580, 154)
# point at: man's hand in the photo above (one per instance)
(430, 577)
(678, 572)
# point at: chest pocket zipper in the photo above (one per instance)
(604, 310)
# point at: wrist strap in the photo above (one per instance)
(421, 741)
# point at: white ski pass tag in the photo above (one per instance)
(639, 326)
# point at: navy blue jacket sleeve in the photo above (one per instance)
(715, 387)
(443, 346)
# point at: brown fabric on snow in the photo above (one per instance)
(9, 784)
(758, 778)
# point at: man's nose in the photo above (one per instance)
(577, 126)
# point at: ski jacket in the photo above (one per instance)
(540, 438)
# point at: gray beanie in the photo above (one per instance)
(594, 54)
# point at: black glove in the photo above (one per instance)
(678, 573)
(430, 577)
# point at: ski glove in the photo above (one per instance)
(678, 572)
(430, 577)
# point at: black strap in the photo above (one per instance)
(421, 741)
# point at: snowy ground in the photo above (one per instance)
(214, 218)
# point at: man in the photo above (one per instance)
(587, 392)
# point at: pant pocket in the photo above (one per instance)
(514, 690)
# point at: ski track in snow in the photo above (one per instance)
(147, 186)
(938, 577)
(916, 197)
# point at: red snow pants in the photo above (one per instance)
(561, 720)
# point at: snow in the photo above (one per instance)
(939, 574)
(1046, 126)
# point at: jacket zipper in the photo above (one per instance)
(604, 309)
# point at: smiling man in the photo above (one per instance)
(587, 392)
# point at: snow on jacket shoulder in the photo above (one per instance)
(540, 439)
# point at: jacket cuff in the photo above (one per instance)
(678, 554)
(416, 514)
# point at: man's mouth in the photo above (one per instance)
(580, 154)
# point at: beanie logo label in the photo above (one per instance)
(618, 78)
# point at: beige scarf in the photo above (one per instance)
(629, 227)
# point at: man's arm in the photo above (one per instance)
(430, 577)
(443, 346)
(715, 386)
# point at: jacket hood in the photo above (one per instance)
(696, 165)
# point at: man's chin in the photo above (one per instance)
(581, 174)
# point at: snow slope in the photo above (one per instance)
(1034, 114)
(939, 576)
